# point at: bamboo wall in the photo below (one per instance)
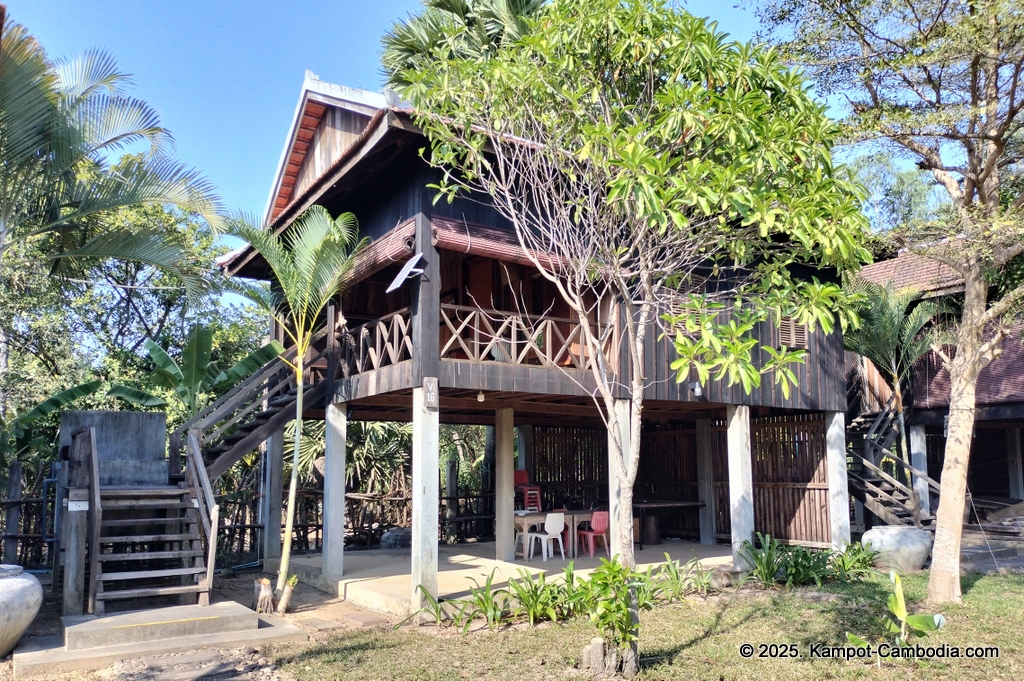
(790, 479)
(789, 472)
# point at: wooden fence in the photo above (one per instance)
(570, 465)
(790, 479)
(789, 473)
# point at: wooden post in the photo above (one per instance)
(425, 489)
(526, 448)
(272, 495)
(1015, 469)
(741, 483)
(174, 454)
(614, 486)
(504, 486)
(76, 520)
(838, 491)
(13, 519)
(336, 434)
(451, 492)
(332, 352)
(919, 460)
(705, 482)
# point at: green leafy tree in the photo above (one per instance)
(657, 174)
(309, 263)
(896, 197)
(198, 376)
(453, 27)
(940, 83)
(59, 123)
(896, 330)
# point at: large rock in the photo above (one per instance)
(903, 549)
(396, 538)
(20, 598)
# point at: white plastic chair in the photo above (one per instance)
(554, 524)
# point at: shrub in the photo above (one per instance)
(854, 562)
(804, 566)
(535, 598)
(898, 622)
(490, 602)
(610, 588)
(767, 560)
(678, 581)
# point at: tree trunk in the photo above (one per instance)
(944, 577)
(289, 523)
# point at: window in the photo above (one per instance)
(792, 334)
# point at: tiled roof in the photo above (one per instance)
(1000, 382)
(909, 270)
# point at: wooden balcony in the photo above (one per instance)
(475, 335)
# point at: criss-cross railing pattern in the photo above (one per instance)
(379, 343)
(473, 334)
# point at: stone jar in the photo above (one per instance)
(900, 548)
(20, 598)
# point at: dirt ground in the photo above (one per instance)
(318, 613)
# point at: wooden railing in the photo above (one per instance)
(469, 333)
(379, 343)
(88, 440)
(206, 503)
(247, 398)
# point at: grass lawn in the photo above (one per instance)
(696, 640)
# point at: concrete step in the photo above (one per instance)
(46, 656)
(81, 632)
(141, 491)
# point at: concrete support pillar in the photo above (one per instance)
(273, 494)
(741, 481)
(705, 482)
(425, 488)
(919, 460)
(838, 493)
(526, 449)
(504, 486)
(1015, 467)
(614, 485)
(335, 440)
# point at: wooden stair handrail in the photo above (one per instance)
(254, 383)
(209, 509)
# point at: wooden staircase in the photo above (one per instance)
(143, 541)
(149, 544)
(890, 499)
(241, 419)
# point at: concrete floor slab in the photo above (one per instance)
(45, 656)
(380, 579)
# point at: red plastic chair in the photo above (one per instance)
(531, 498)
(520, 478)
(598, 528)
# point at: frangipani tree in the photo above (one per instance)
(655, 173)
(308, 263)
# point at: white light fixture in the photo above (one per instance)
(698, 391)
(480, 396)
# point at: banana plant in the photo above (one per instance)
(16, 435)
(198, 376)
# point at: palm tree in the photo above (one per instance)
(459, 27)
(60, 122)
(308, 262)
(896, 330)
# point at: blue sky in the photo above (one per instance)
(225, 75)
